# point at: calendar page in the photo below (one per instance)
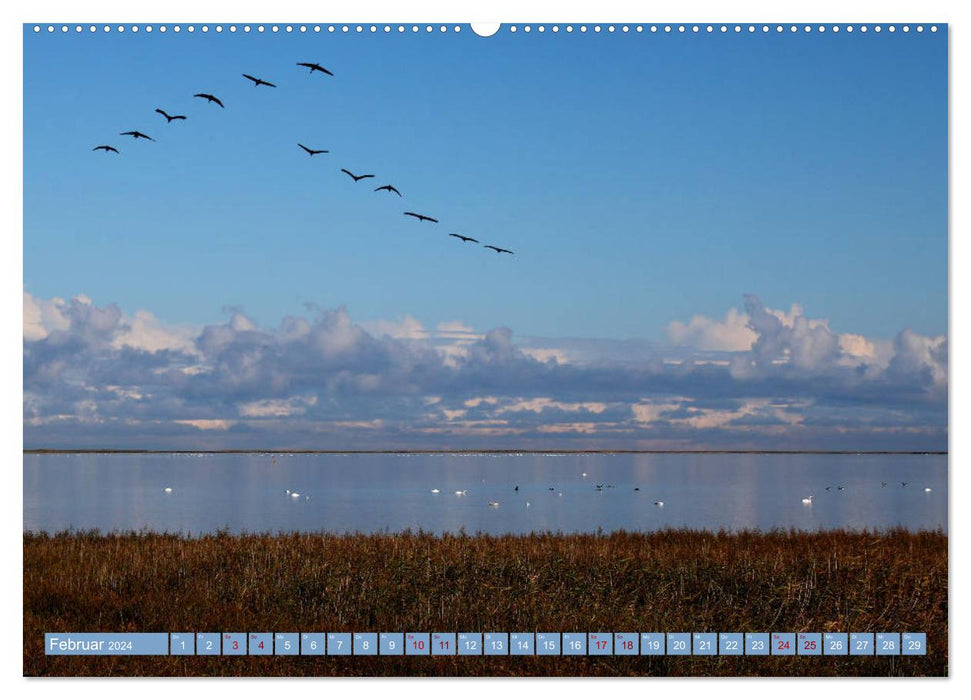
(523, 349)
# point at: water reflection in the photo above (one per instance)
(378, 492)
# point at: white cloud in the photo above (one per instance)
(277, 408)
(731, 334)
(538, 405)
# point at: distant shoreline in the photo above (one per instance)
(46, 451)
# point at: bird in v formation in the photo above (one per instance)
(314, 67)
(311, 151)
(258, 81)
(170, 117)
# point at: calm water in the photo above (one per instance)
(377, 492)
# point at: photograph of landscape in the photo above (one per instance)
(573, 328)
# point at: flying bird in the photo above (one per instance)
(421, 217)
(316, 66)
(210, 98)
(311, 151)
(257, 81)
(389, 188)
(136, 135)
(499, 250)
(464, 239)
(106, 149)
(356, 177)
(169, 117)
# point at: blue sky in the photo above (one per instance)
(639, 178)
(642, 180)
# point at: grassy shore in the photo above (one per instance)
(670, 581)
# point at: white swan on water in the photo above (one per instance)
(168, 489)
(808, 501)
(435, 491)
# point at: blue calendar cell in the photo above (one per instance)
(521, 644)
(835, 644)
(704, 644)
(679, 643)
(443, 644)
(391, 644)
(339, 644)
(495, 643)
(731, 643)
(652, 644)
(887, 643)
(470, 644)
(365, 644)
(208, 644)
(913, 644)
(861, 643)
(286, 644)
(234, 644)
(182, 644)
(756, 643)
(418, 644)
(809, 644)
(260, 644)
(548, 643)
(574, 644)
(783, 644)
(600, 644)
(313, 644)
(626, 643)
(106, 643)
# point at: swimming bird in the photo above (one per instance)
(464, 239)
(170, 117)
(316, 66)
(808, 501)
(106, 149)
(903, 483)
(528, 504)
(294, 495)
(882, 484)
(659, 503)
(493, 504)
(210, 98)
(168, 489)
(461, 493)
(637, 488)
(435, 491)
(927, 489)
(257, 81)
(839, 488)
(421, 217)
(515, 488)
(312, 152)
(136, 135)
(499, 250)
(584, 475)
(356, 177)
(388, 188)
(552, 489)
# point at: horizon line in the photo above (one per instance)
(45, 450)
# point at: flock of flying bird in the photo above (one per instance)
(257, 82)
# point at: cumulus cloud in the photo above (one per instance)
(732, 334)
(94, 375)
